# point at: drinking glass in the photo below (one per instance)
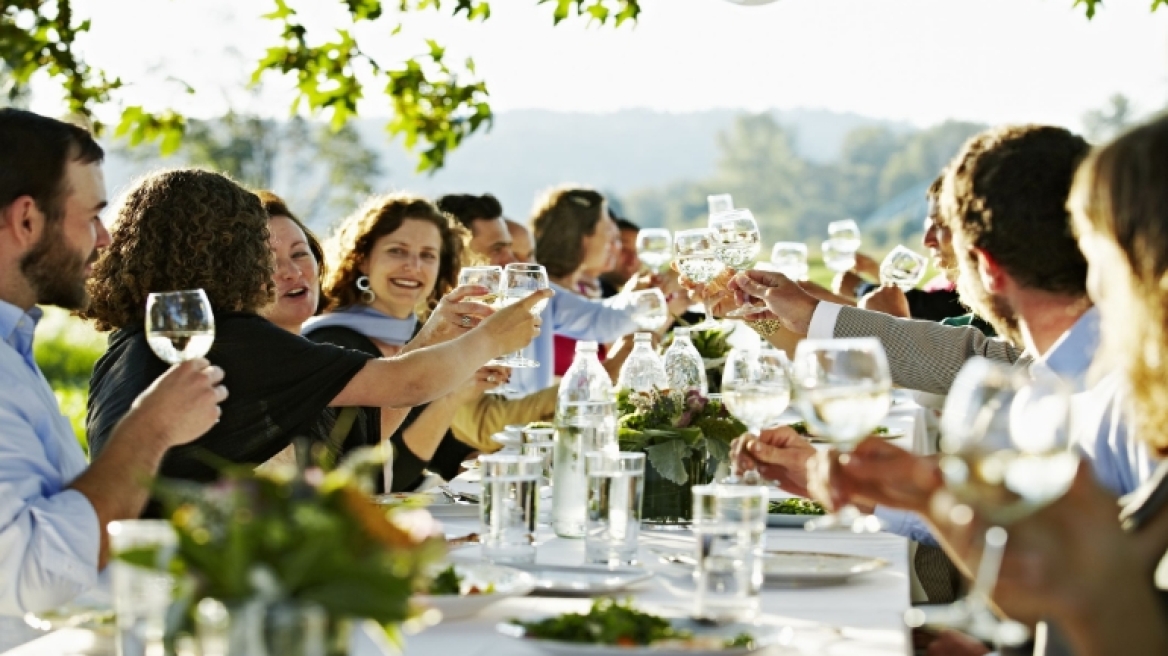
(509, 507)
(581, 427)
(141, 596)
(718, 203)
(616, 484)
(736, 238)
(490, 277)
(650, 311)
(540, 442)
(521, 280)
(756, 389)
(903, 267)
(655, 247)
(1006, 454)
(846, 232)
(729, 524)
(697, 260)
(179, 325)
(790, 258)
(843, 389)
(838, 255)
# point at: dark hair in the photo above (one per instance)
(34, 150)
(275, 206)
(561, 219)
(1006, 192)
(183, 229)
(468, 208)
(378, 217)
(624, 224)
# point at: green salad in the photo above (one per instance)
(796, 506)
(611, 622)
(448, 582)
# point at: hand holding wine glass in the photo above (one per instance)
(696, 259)
(180, 325)
(756, 390)
(520, 281)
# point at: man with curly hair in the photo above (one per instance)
(54, 506)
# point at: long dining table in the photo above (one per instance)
(862, 616)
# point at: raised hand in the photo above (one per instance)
(784, 298)
(453, 316)
(875, 472)
(777, 454)
(513, 327)
(179, 406)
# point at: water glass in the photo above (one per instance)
(790, 259)
(616, 484)
(581, 427)
(729, 524)
(141, 596)
(541, 443)
(509, 507)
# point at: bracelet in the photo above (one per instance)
(765, 327)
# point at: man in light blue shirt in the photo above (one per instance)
(54, 506)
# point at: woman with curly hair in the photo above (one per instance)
(393, 259)
(186, 229)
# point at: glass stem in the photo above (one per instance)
(979, 615)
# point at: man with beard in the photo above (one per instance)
(54, 506)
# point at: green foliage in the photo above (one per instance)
(1089, 6)
(675, 431)
(611, 622)
(65, 349)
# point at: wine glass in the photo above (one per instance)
(697, 260)
(521, 280)
(736, 238)
(843, 389)
(490, 277)
(655, 247)
(719, 203)
(838, 255)
(650, 311)
(1007, 454)
(903, 268)
(756, 389)
(179, 325)
(846, 232)
(790, 259)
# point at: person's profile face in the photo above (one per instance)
(491, 239)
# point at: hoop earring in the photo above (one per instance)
(367, 295)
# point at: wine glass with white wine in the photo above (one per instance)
(756, 389)
(490, 277)
(696, 258)
(655, 248)
(903, 267)
(1007, 453)
(180, 325)
(846, 233)
(843, 390)
(521, 280)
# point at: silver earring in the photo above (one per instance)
(367, 295)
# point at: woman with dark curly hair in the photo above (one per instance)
(393, 259)
(186, 229)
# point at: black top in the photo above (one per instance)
(408, 468)
(278, 383)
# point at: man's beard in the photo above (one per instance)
(56, 272)
(994, 309)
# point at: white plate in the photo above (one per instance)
(802, 567)
(787, 520)
(764, 635)
(583, 580)
(508, 583)
(892, 434)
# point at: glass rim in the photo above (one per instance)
(523, 266)
(609, 461)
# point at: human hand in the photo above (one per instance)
(453, 316)
(486, 378)
(179, 406)
(866, 266)
(513, 327)
(875, 473)
(955, 643)
(888, 299)
(777, 454)
(844, 283)
(676, 296)
(784, 298)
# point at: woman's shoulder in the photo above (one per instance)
(345, 337)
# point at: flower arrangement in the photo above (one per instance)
(684, 438)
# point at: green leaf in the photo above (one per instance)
(718, 450)
(668, 458)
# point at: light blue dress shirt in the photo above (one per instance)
(1119, 462)
(571, 315)
(49, 535)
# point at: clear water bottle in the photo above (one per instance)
(585, 421)
(643, 370)
(684, 368)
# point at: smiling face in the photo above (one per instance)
(296, 277)
(403, 267)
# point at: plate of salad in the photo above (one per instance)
(616, 627)
(793, 512)
(463, 589)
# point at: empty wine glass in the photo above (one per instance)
(655, 247)
(846, 232)
(697, 260)
(719, 203)
(650, 311)
(736, 237)
(757, 390)
(790, 259)
(1007, 454)
(843, 389)
(521, 280)
(903, 267)
(179, 325)
(838, 255)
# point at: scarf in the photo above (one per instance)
(368, 322)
